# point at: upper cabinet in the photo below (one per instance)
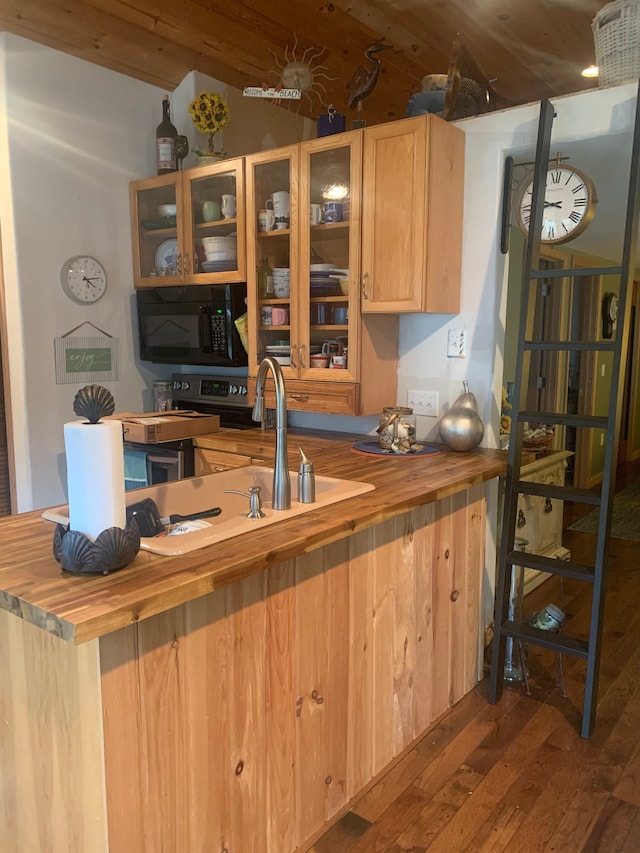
(189, 227)
(304, 207)
(413, 186)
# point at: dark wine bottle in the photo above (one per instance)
(166, 141)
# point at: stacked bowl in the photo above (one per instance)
(221, 253)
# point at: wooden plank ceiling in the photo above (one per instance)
(534, 48)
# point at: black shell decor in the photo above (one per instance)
(114, 549)
(93, 402)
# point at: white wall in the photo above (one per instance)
(72, 137)
(75, 136)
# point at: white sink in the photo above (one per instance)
(195, 494)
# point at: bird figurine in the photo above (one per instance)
(364, 79)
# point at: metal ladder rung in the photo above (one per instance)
(552, 566)
(591, 421)
(546, 639)
(570, 346)
(578, 272)
(562, 493)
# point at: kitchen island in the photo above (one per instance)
(239, 698)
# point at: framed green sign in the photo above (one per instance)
(86, 359)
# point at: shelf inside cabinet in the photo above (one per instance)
(216, 223)
(330, 327)
(281, 232)
(159, 232)
(329, 229)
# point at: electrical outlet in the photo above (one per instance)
(456, 343)
(423, 403)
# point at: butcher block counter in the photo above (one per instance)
(238, 698)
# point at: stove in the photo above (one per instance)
(209, 394)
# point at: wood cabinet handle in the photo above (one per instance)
(301, 398)
(455, 595)
(365, 278)
(187, 267)
(302, 349)
(179, 264)
(294, 348)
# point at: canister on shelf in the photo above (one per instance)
(550, 618)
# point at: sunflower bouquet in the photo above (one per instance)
(210, 114)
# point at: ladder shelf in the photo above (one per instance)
(510, 556)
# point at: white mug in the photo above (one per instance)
(279, 203)
(315, 214)
(338, 362)
(228, 206)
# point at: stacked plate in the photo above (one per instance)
(321, 283)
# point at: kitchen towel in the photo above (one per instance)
(135, 469)
(95, 476)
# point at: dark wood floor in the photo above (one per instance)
(517, 776)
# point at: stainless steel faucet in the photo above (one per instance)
(281, 479)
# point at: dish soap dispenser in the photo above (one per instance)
(306, 480)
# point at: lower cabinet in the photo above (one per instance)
(249, 718)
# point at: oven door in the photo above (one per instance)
(152, 464)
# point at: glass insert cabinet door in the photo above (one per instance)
(190, 226)
(303, 255)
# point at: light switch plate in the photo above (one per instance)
(456, 343)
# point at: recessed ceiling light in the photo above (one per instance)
(591, 71)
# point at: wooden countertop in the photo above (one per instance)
(79, 608)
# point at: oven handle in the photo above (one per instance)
(204, 329)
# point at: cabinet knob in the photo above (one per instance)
(365, 278)
(179, 264)
(455, 595)
(187, 265)
(302, 349)
(521, 518)
(548, 505)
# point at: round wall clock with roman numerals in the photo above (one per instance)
(569, 204)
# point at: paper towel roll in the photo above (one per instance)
(95, 476)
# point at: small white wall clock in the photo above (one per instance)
(83, 279)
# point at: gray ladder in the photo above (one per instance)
(509, 557)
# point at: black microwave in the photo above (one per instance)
(194, 324)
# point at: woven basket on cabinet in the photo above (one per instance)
(616, 32)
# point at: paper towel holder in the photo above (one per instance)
(114, 549)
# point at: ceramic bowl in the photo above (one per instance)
(219, 244)
(322, 267)
(222, 255)
(166, 210)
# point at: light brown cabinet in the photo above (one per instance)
(168, 250)
(317, 311)
(413, 179)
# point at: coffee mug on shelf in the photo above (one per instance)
(340, 315)
(279, 316)
(315, 214)
(211, 211)
(266, 315)
(338, 362)
(332, 211)
(228, 206)
(279, 203)
(332, 347)
(266, 220)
